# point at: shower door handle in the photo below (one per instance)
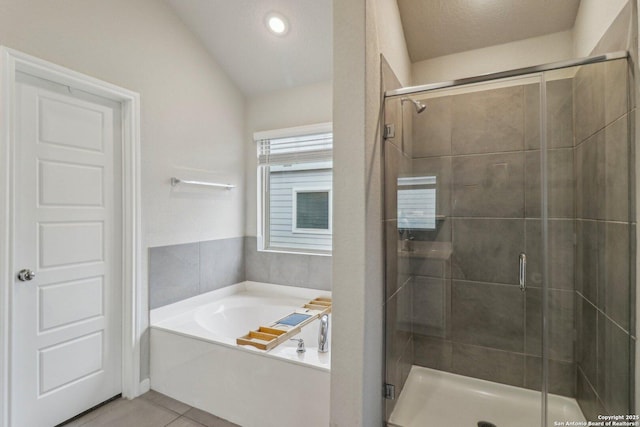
(523, 271)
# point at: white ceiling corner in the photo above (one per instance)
(235, 33)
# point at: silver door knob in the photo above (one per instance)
(25, 275)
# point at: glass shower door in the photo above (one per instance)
(537, 168)
(463, 204)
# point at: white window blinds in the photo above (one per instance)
(317, 147)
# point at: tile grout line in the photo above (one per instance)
(187, 418)
(598, 309)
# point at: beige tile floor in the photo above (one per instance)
(149, 410)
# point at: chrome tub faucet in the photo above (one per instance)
(323, 334)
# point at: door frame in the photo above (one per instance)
(133, 283)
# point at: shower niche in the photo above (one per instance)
(477, 173)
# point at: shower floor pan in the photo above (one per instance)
(436, 398)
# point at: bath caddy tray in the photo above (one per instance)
(270, 336)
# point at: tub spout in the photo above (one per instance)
(323, 334)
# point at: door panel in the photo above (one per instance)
(82, 242)
(55, 369)
(67, 320)
(63, 184)
(71, 125)
(53, 298)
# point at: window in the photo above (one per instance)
(295, 178)
(312, 210)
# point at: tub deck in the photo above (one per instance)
(435, 398)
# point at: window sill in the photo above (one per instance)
(294, 252)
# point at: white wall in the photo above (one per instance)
(348, 312)
(508, 56)
(360, 35)
(593, 19)
(391, 41)
(191, 113)
(303, 105)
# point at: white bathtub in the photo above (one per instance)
(195, 359)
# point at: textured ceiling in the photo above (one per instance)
(435, 28)
(234, 32)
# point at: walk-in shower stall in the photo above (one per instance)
(510, 247)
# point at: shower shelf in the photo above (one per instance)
(268, 337)
(432, 250)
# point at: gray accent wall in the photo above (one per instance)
(305, 271)
(178, 272)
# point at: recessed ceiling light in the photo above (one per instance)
(277, 24)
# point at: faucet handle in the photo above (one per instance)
(301, 348)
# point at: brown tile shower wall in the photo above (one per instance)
(468, 314)
(605, 242)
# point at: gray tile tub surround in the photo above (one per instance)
(178, 272)
(306, 271)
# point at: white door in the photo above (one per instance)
(66, 336)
